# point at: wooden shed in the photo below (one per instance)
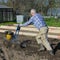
(6, 13)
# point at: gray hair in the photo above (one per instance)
(33, 10)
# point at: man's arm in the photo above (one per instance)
(27, 23)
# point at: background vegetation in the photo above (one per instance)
(24, 6)
(42, 6)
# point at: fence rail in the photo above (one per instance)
(54, 32)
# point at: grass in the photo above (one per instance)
(53, 22)
(49, 22)
(7, 23)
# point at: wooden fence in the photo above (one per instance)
(54, 32)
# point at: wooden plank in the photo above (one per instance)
(34, 34)
(32, 26)
(53, 31)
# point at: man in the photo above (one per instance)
(40, 24)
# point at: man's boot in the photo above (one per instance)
(51, 52)
(41, 48)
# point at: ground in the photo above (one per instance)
(30, 52)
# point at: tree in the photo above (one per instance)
(2, 2)
(24, 6)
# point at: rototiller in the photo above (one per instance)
(11, 38)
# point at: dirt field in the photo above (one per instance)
(30, 52)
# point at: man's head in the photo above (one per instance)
(33, 12)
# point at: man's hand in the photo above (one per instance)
(21, 25)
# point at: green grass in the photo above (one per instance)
(53, 22)
(7, 23)
(49, 22)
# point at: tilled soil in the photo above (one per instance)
(15, 52)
